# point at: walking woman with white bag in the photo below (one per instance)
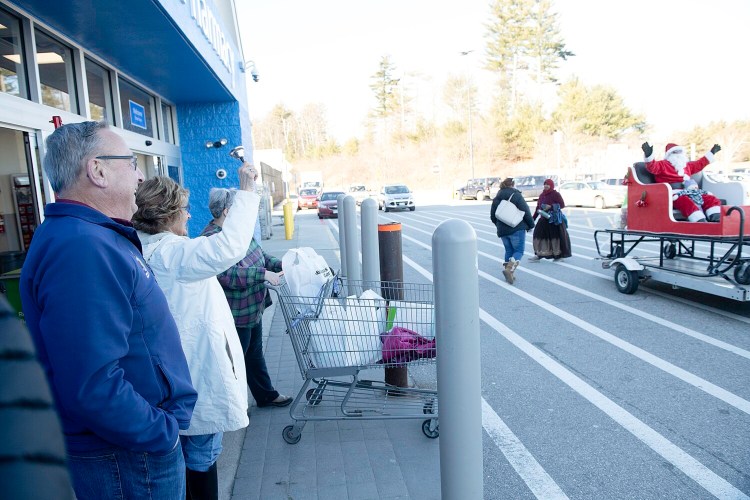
(510, 229)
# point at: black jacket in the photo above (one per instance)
(517, 199)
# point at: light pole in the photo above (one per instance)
(471, 125)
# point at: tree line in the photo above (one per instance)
(524, 50)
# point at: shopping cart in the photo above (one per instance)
(343, 346)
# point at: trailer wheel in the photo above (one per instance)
(742, 272)
(625, 280)
(669, 250)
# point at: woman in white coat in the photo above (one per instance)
(186, 271)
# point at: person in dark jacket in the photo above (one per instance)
(32, 452)
(513, 238)
(102, 327)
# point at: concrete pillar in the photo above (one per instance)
(455, 269)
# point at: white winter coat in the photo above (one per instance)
(186, 271)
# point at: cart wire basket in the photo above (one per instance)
(345, 338)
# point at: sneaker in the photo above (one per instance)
(278, 402)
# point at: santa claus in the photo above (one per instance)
(675, 169)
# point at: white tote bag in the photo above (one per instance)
(508, 213)
(305, 271)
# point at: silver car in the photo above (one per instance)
(396, 197)
(592, 194)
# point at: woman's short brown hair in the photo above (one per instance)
(159, 202)
(508, 182)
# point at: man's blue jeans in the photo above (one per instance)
(514, 245)
(119, 473)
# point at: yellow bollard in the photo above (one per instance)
(288, 220)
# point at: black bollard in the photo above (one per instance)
(392, 279)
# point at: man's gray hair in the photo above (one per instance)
(68, 149)
(219, 199)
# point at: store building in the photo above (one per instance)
(167, 75)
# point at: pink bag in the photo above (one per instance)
(401, 345)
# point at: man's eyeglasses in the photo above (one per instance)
(133, 159)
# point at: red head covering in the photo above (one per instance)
(550, 183)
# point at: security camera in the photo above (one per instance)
(254, 74)
(148, 143)
(221, 174)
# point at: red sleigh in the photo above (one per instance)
(650, 206)
(710, 257)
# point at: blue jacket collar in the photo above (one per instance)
(93, 216)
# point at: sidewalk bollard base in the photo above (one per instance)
(397, 376)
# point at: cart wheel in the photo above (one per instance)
(290, 436)
(626, 281)
(669, 250)
(742, 272)
(314, 396)
(430, 433)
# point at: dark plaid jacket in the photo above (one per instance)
(244, 282)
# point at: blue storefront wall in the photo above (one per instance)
(199, 123)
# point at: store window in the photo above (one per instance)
(99, 83)
(168, 119)
(137, 109)
(12, 68)
(56, 73)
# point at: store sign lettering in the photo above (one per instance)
(206, 21)
(137, 115)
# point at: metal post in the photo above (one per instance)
(370, 253)
(342, 233)
(392, 279)
(454, 257)
(288, 220)
(353, 267)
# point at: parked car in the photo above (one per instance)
(327, 204)
(359, 192)
(532, 185)
(617, 184)
(591, 194)
(396, 197)
(480, 188)
(308, 198)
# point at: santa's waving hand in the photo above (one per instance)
(675, 169)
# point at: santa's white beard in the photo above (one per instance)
(679, 162)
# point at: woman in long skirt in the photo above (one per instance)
(551, 240)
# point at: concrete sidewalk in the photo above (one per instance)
(344, 459)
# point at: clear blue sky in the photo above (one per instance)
(681, 63)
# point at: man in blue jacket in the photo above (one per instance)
(102, 327)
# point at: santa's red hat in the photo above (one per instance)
(671, 148)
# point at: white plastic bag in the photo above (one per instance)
(413, 316)
(347, 332)
(305, 271)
